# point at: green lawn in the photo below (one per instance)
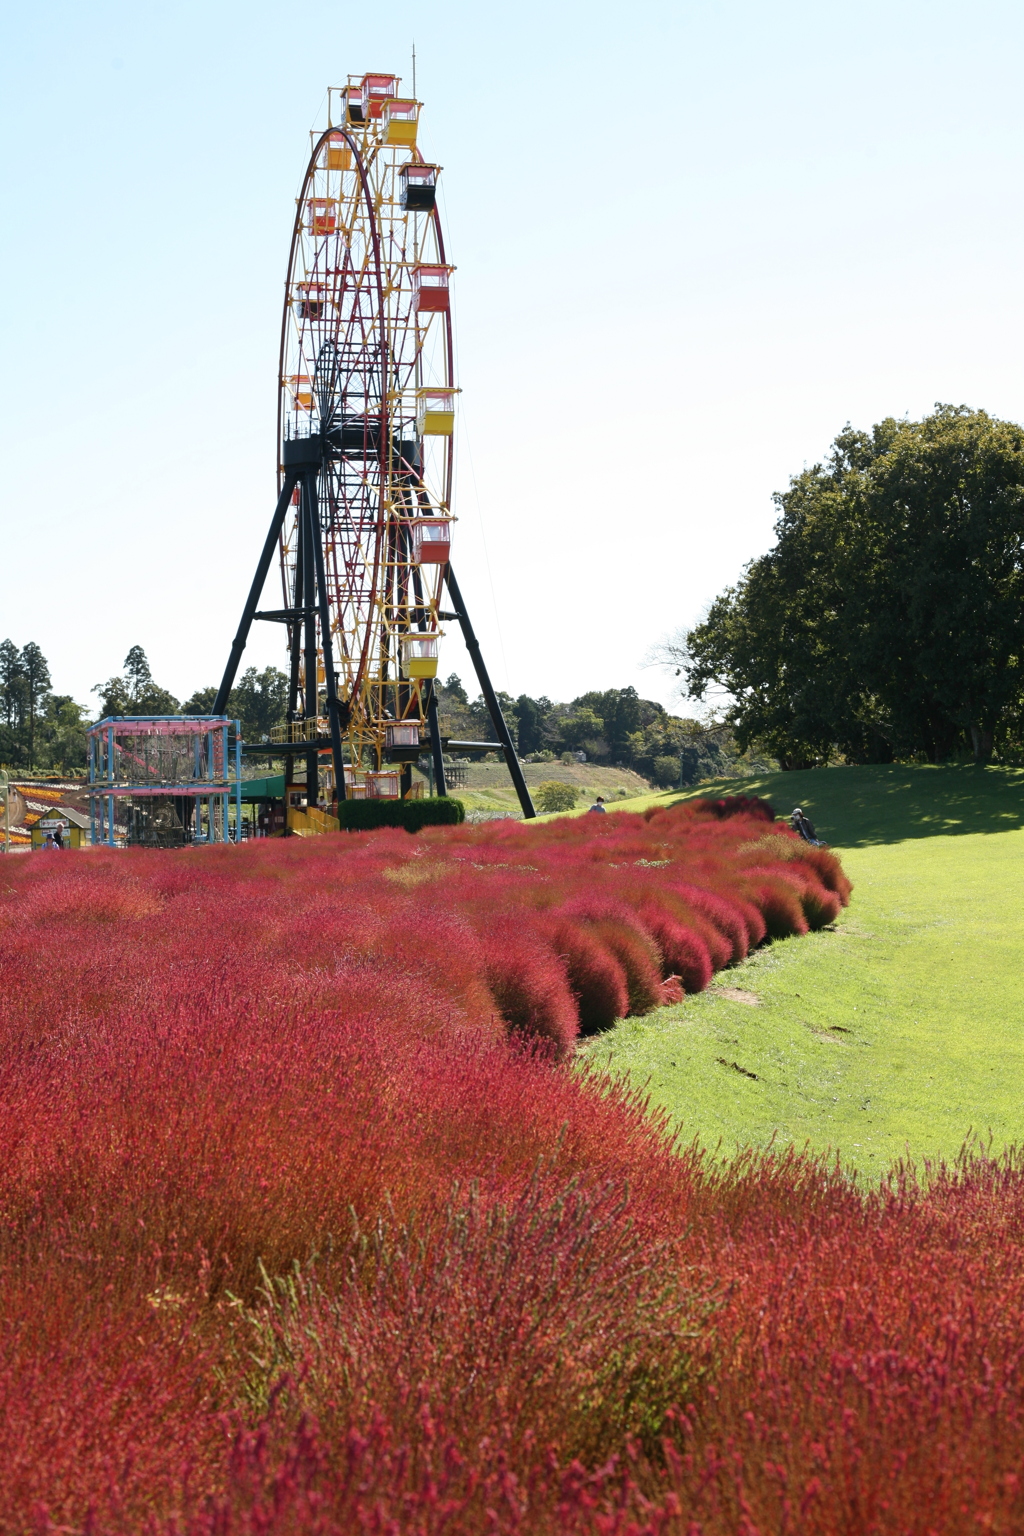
(904, 1028)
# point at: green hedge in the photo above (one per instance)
(362, 815)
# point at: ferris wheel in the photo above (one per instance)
(366, 419)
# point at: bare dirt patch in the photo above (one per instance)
(738, 995)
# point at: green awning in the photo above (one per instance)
(270, 788)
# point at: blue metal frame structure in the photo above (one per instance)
(200, 762)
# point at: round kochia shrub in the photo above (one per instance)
(780, 904)
(820, 906)
(595, 975)
(621, 932)
(683, 951)
(714, 940)
(725, 916)
(553, 795)
(828, 870)
(529, 983)
(639, 958)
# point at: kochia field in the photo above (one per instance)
(310, 1222)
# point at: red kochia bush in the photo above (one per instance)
(623, 934)
(828, 869)
(684, 952)
(779, 903)
(294, 1239)
(725, 915)
(529, 982)
(640, 960)
(820, 905)
(595, 975)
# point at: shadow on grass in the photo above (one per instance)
(857, 807)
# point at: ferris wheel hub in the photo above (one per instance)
(301, 452)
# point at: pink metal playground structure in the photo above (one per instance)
(162, 781)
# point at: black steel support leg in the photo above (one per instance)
(295, 637)
(330, 678)
(310, 703)
(440, 787)
(220, 703)
(490, 697)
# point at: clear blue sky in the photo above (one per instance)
(692, 240)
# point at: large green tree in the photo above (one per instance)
(531, 714)
(888, 621)
(61, 735)
(36, 674)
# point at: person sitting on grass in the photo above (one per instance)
(805, 826)
(598, 805)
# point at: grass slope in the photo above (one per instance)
(489, 788)
(902, 1030)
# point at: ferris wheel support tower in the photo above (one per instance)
(366, 419)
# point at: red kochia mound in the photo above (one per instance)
(595, 975)
(622, 933)
(529, 982)
(296, 1238)
(726, 916)
(675, 893)
(684, 951)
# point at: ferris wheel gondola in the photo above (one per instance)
(366, 421)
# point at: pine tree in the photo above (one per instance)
(12, 688)
(135, 693)
(37, 687)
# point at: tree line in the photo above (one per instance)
(44, 730)
(38, 727)
(614, 727)
(887, 623)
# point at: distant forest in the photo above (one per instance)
(614, 727)
(46, 731)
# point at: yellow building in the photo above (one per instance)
(72, 826)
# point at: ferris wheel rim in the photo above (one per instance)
(394, 360)
(328, 134)
(331, 134)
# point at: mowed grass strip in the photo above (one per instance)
(901, 1031)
